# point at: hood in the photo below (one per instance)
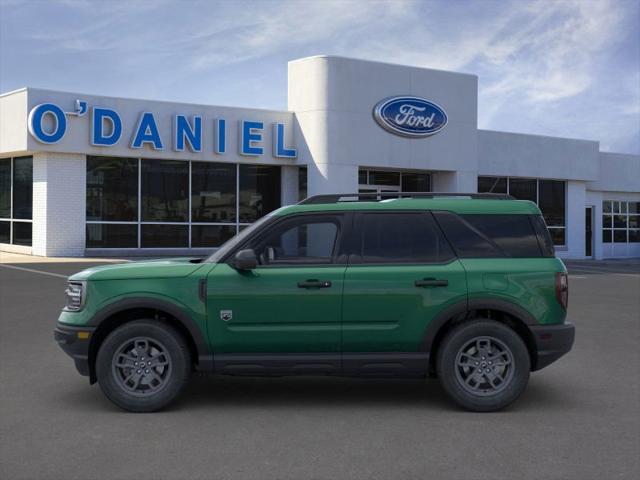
(165, 268)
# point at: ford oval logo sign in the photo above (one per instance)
(410, 116)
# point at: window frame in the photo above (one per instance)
(618, 208)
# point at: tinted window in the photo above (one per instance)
(491, 235)
(112, 235)
(23, 193)
(211, 235)
(467, 241)
(22, 233)
(165, 236)
(545, 236)
(213, 192)
(523, 188)
(165, 188)
(5, 188)
(401, 238)
(416, 182)
(298, 241)
(492, 185)
(259, 191)
(552, 202)
(112, 189)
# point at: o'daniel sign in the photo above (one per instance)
(408, 116)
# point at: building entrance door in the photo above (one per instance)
(588, 231)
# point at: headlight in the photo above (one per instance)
(74, 294)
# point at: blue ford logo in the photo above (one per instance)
(410, 116)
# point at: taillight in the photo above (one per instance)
(562, 289)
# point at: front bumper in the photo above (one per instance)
(75, 343)
(552, 342)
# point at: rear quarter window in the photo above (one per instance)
(491, 235)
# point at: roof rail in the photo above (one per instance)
(376, 197)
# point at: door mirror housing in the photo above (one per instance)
(245, 260)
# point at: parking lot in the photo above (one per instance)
(579, 418)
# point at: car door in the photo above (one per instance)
(400, 276)
(289, 304)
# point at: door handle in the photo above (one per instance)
(431, 282)
(314, 284)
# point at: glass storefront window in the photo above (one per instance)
(173, 209)
(381, 177)
(211, 235)
(548, 194)
(523, 188)
(16, 200)
(112, 189)
(551, 200)
(259, 191)
(389, 181)
(5, 231)
(112, 235)
(5, 188)
(22, 233)
(213, 192)
(302, 183)
(22, 187)
(165, 188)
(164, 236)
(416, 182)
(492, 185)
(620, 221)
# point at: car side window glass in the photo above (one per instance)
(490, 235)
(402, 238)
(303, 241)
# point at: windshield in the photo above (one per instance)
(230, 244)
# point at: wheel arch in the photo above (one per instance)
(502, 311)
(129, 309)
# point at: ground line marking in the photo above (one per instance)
(41, 272)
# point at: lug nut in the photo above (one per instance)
(146, 371)
(488, 371)
(139, 371)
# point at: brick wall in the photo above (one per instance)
(59, 185)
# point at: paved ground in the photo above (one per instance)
(579, 418)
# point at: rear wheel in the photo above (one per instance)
(143, 365)
(483, 365)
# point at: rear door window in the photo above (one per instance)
(489, 235)
(400, 237)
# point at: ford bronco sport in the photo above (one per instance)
(464, 287)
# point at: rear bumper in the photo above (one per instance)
(552, 342)
(75, 343)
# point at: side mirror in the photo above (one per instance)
(245, 260)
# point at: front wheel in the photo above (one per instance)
(143, 365)
(483, 365)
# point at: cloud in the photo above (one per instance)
(543, 66)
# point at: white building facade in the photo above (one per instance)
(87, 175)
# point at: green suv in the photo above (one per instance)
(464, 287)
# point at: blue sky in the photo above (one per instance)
(563, 68)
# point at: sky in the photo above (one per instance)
(568, 68)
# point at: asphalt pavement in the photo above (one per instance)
(578, 419)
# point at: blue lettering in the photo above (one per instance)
(147, 132)
(221, 129)
(249, 136)
(36, 116)
(98, 136)
(279, 150)
(184, 131)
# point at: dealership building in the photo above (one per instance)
(88, 175)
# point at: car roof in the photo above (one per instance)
(462, 205)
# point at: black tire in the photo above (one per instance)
(483, 365)
(140, 383)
